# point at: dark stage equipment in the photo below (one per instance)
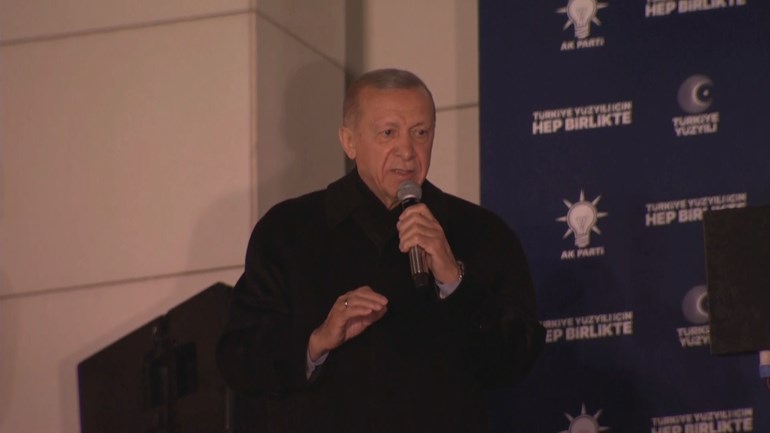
(162, 377)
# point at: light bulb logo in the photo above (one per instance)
(581, 218)
(580, 14)
(584, 423)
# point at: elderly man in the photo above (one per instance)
(327, 325)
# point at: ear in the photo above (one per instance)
(347, 142)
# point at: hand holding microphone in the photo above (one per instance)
(409, 194)
(423, 238)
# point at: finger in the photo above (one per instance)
(371, 316)
(417, 220)
(357, 312)
(417, 224)
(425, 228)
(418, 210)
(421, 217)
(364, 321)
(429, 238)
(364, 303)
(356, 303)
(368, 294)
(360, 324)
(378, 314)
(358, 309)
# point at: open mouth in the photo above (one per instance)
(402, 172)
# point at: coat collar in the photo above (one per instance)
(349, 196)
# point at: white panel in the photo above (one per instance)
(320, 24)
(44, 337)
(125, 154)
(300, 109)
(455, 161)
(436, 39)
(31, 18)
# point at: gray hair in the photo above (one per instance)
(380, 79)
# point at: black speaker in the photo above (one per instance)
(163, 378)
(737, 247)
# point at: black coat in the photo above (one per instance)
(425, 365)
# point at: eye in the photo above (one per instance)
(421, 132)
(388, 133)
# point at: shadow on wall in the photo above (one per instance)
(297, 146)
(7, 322)
(8, 346)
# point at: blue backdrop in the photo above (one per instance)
(607, 128)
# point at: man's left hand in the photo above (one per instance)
(418, 227)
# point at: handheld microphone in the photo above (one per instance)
(409, 193)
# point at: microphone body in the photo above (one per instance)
(410, 194)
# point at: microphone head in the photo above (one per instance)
(409, 190)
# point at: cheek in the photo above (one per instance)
(385, 158)
(425, 155)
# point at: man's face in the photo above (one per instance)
(390, 139)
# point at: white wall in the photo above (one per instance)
(140, 141)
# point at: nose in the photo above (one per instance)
(405, 147)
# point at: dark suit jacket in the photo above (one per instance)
(424, 366)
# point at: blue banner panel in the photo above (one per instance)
(607, 129)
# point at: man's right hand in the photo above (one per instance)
(350, 315)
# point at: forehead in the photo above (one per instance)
(410, 103)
